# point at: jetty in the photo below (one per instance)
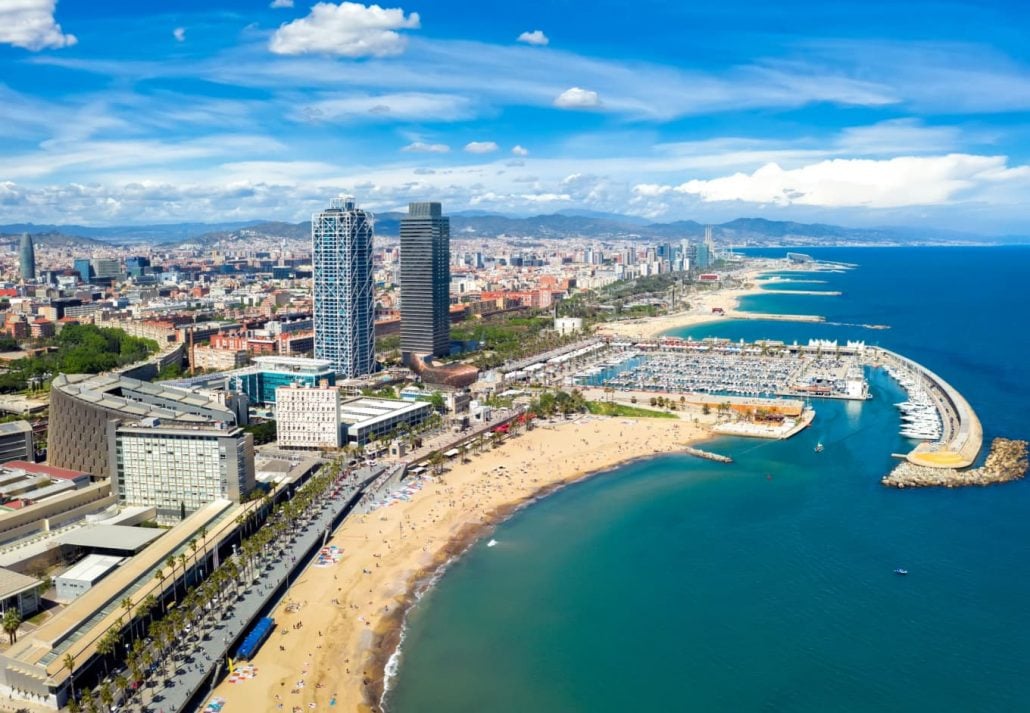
(1006, 461)
(707, 455)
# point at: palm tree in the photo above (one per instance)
(148, 606)
(171, 565)
(182, 566)
(69, 663)
(436, 460)
(11, 622)
(106, 645)
(106, 697)
(122, 684)
(126, 604)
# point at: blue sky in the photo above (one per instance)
(860, 113)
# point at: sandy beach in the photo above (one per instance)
(339, 624)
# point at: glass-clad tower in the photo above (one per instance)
(425, 281)
(27, 258)
(341, 239)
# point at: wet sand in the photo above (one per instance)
(339, 624)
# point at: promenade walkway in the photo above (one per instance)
(202, 660)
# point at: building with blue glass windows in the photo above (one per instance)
(344, 302)
(267, 374)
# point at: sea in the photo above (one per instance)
(675, 584)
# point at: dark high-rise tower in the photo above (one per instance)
(425, 281)
(27, 258)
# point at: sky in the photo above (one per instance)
(855, 112)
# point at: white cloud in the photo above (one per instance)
(422, 147)
(179, 33)
(407, 106)
(30, 24)
(348, 30)
(576, 98)
(536, 37)
(839, 183)
(520, 151)
(481, 146)
(277, 4)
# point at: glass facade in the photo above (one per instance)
(344, 301)
(260, 385)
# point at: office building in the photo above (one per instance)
(106, 269)
(81, 405)
(344, 303)
(365, 419)
(16, 442)
(308, 417)
(425, 281)
(260, 381)
(84, 267)
(179, 468)
(27, 258)
(137, 266)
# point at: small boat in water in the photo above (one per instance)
(901, 572)
(819, 447)
(491, 543)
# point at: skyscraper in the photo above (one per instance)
(341, 238)
(27, 258)
(425, 281)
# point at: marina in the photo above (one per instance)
(723, 368)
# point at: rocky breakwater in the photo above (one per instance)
(1007, 460)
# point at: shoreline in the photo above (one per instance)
(389, 638)
(333, 648)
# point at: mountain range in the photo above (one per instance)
(471, 224)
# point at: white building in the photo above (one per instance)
(308, 416)
(568, 325)
(80, 578)
(367, 418)
(180, 467)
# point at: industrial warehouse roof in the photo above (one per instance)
(118, 538)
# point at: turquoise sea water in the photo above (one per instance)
(681, 585)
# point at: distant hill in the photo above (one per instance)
(49, 239)
(126, 234)
(480, 224)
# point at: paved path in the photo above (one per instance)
(201, 661)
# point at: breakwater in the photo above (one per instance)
(962, 436)
(707, 455)
(1006, 461)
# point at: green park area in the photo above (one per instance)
(78, 349)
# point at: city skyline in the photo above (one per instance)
(871, 114)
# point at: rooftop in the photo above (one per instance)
(12, 427)
(122, 538)
(92, 567)
(12, 582)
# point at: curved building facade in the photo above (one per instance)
(83, 405)
(27, 258)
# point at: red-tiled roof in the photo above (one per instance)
(44, 469)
